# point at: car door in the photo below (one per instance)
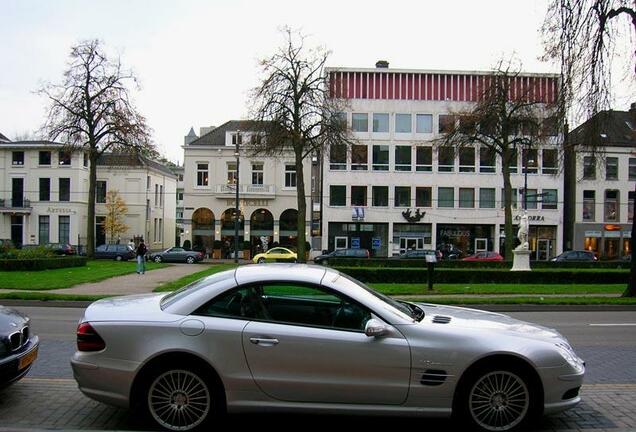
(300, 347)
(273, 255)
(175, 254)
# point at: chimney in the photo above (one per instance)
(382, 64)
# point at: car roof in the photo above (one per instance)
(279, 272)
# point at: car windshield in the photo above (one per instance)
(177, 295)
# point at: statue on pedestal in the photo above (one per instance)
(522, 234)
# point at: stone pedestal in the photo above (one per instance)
(521, 261)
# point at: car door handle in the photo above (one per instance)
(263, 341)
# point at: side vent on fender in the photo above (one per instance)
(433, 377)
(439, 319)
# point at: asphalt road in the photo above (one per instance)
(605, 340)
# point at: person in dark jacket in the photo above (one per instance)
(141, 257)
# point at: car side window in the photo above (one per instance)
(236, 303)
(340, 252)
(101, 248)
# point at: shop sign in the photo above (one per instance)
(534, 218)
(248, 203)
(627, 234)
(65, 211)
(593, 234)
(357, 213)
(376, 243)
(455, 232)
(412, 218)
(355, 242)
(612, 234)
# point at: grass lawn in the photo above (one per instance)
(466, 288)
(94, 271)
(181, 282)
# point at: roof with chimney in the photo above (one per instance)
(216, 137)
(608, 128)
(117, 160)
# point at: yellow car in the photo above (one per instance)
(277, 254)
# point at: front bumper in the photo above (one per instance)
(561, 388)
(10, 368)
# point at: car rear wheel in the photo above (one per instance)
(179, 399)
(158, 259)
(190, 260)
(261, 260)
(118, 258)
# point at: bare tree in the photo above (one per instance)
(91, 110)
(116, 209)
(584, 36)
(295, 113)
(503, 125)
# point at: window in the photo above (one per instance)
(100, 191)
(257, 173)
(446, 197)
(466, 198)
(403, 123)
(161, 195)
(45, 189)
(513, 196)
(231, 172)
(380, 122)
(423, 123)
(202, 175)
(179, 196)
(632, 168)
(423, 197)
(467, 159)
(65, 189)
(549, 199)
(156, 194)
(147, 209)
(424, 159)
(44, 158)
(359, 158)
(380, 158)
(446, 159)
(64, 229)
(486, 198)
(44, 230)
(290, 175)
(338, 157)
(380, 196)
(180, 177)
(446, 123)
(85, 160)
(611, 168)
(358, 196)
(531, 199)
(513, 160)
(630, 206)
(612, 206)
(530, 161)
(148, 181)
(589, 168)
(486, 160)
(550, 126)
(65, 158)
(360, 122)
(237, 139)
(402, 196)
(403, 158)
(17, 158)
(549, 161)
(589, 205)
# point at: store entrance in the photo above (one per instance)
(410, 243)
(544, 250)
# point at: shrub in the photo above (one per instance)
(31, 264)
(419, 263)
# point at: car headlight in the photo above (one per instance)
(570, 356)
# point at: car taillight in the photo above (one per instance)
(88, 339)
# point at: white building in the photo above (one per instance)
(267, 192)
(44, 195)
(396, 190)
(603, 183)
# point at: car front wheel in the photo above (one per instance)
(118, 258)
(261, 260)
(158, 259)
(190, 260)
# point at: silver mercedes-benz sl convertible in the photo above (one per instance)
(299, 338)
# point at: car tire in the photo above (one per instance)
(118, 258)
(190, 260)
(172, 389)
(261, 260)
(497, 398)
(157, 259)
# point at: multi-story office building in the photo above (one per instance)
(602, 177)
(396, 189)
(44, 195)
(267, 191)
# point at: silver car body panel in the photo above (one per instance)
(303, 368)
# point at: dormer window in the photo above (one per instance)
(237, 138)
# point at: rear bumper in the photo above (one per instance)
(10, 371)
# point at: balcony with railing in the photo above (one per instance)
(246, 190)
(15, 205)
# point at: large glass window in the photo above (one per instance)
(44, 158)
(402, 158)
(17, 158)
(403, 123)
(632, 168)
(100, 191)
(630, 205)
(64, 223)
(290, 175)
(423, 197)
(380, 196)
(360, 122)
(424, 159)
(486, 160)
(466, 198)
(402, 196)
(446, 159)
(257, 174)
(338, 157)
(202, 175)
(549, 161)
(337, 196)
(612, 213)
(380, 158)
(360, 158)
(358, 196)
(467, 159)
(64, 158)
(381, 122)
(65, 189)
(486, 198)
(513, 196)
(446, 197)
(532, 199)
(44, 230)
(513, 162)
(446, 123)
(611, 168)
(231, 173)
(589, 205)
(45, 189)
(549, 199)
(589, 168)
(530, 161)
(424, 123)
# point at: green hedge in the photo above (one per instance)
(41, 263)
(444, 275)
(414, 263)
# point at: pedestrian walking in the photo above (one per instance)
(141, 257)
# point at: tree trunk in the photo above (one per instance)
(509, 240)
(631, 286)
(90, 221)
(302, 207)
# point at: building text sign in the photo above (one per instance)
(53, 210)
(532, 218)
(248, 203)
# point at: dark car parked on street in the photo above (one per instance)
(118, 252)
(418, 254)
(575, 256)
(177, 254)
(18, 346)
(342, 253)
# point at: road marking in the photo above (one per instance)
(614, 325)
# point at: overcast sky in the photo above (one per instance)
(197, 60)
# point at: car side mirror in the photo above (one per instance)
(375, 328)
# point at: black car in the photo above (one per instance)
(118, 252)
(177, 254)
(18, 346)
(419, 254)
(576, 256)
(342, 253)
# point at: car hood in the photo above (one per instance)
(11, 320)
(474, 319)
(141, 307)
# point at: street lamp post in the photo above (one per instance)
(236, 210)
